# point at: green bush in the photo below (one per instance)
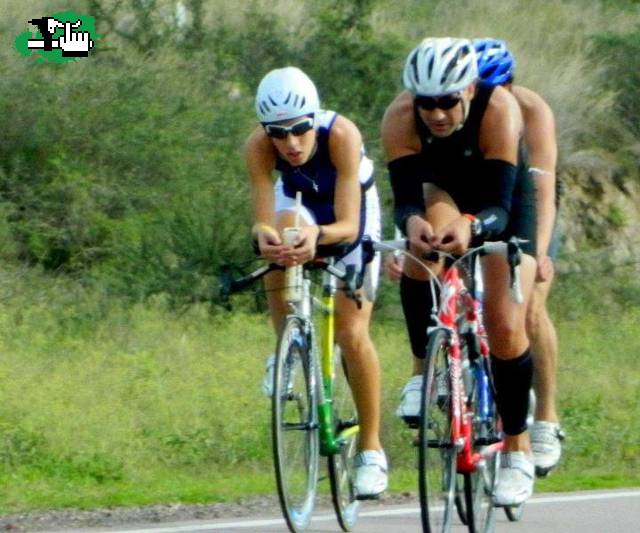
(622, 74)
(126, 168)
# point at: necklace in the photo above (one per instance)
(311, 180)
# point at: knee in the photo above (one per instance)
(348, 339)
(537, 316)
(533, 320)
(506, 336)
(352, 340)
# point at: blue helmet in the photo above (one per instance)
(495, 62)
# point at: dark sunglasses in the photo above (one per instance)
(445, 102)
(282, 132)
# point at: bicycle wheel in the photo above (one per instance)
(294, 425)
(459, 499)
(479, 484)
(478, 490)
(436, 453)
(341, 467)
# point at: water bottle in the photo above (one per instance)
(293, 276)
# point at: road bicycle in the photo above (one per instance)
(313, 413)
(459, 435)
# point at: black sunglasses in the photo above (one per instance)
(445, 102)
(282, 132)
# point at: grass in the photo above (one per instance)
(101, 405)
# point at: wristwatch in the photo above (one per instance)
(476, 225)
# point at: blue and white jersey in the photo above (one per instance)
(316, 179)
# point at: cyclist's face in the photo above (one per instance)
(299, 143)
(443, 122)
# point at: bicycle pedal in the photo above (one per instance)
(486, 441)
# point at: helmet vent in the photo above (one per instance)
(463, 73)
(430, 66)
(445, 74)
(414, 65)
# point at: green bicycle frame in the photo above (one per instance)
(330, 442)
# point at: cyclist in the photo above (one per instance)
(320, 154)
(453, 158)
(496, 66)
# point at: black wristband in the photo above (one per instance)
(320, 234)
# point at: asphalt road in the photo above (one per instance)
(613, 511)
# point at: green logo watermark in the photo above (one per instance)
(58, 38)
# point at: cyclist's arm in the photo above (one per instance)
(402, 147)
(345, 145)
(500, 131)
(540, 139)
(260, 159)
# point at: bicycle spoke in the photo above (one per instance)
(295, 434)
(436, 453)
(341, 470)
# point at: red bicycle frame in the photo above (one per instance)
(456, 299)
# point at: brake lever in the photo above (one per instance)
(514, 258)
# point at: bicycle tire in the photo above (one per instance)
(341, 465)
(436, 453)
(459, 500)
(479, 485)
(294, 424)
(478, 492)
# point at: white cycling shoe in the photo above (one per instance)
(409, 408)
(546, 438)
(371, 478)
(515, 479)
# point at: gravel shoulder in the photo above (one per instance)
(66, 519)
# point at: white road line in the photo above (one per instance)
(388, 512)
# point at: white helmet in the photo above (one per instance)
(440, 66)
(286, 93)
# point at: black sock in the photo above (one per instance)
(416, 305)
(513, 379)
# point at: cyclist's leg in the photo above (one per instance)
(512, 370)
(546, 435)
(363, 370)
(505, 325)
(352, 334)
(363, 367)
(544, 344)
